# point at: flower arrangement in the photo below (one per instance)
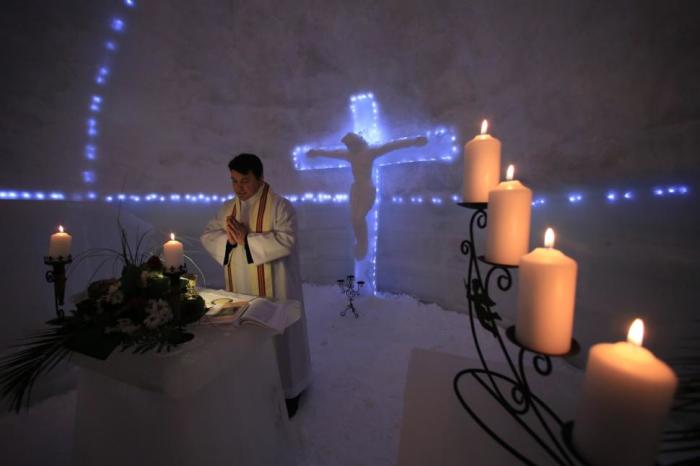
(142, 310)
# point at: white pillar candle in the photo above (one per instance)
(482, 166)
(173, 252)
(546, 294)
(59, 244)
(508, 229)
(627, 393)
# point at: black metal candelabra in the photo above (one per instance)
(174, 274)
(512, 391)
(351, 289)
(57, 276)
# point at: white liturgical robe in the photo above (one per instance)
(277, 248)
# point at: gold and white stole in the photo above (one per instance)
(259, 221)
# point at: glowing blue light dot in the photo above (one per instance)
(88, 176)
(117, 24)
(628, 195)
(130, 3)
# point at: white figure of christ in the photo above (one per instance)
(363, 193)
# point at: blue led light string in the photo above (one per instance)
(117, 28)
(610, 196)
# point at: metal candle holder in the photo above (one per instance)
(174, 274)
(512, 391)
(57, 276)
(351, 289)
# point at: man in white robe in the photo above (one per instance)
(254, 237)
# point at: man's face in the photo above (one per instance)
(245, 185)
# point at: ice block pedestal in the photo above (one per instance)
(216, 400)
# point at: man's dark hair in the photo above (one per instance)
(247, 163)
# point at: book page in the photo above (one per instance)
(266, 313)
(223, 307)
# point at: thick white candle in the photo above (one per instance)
(627, 393)
(59, 244)
(508, 229)
(546, 294)
(173, 252)
(482, 166)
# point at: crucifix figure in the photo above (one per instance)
(363, 192)
(364, 145)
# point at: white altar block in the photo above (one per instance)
(437, 430)
(216, 400)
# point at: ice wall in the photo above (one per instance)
(583, 91)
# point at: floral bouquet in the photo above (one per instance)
(141, 311)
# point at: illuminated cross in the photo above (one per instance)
(362, 146)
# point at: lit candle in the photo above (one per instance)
(482, 165)
(174, 255)
(546, 294)
(59, 244)
(627, 393)
(508, 231)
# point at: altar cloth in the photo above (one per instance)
(216, 400)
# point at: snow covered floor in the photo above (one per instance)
(351, 415)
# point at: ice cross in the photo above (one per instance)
(366, 142)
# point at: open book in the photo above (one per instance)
(257, 311)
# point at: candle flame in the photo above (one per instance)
(636, 332)
(484, 126)
(549, 238)
(510, 172)
(60, 228)
(172, 236)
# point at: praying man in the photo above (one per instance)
(254, 237)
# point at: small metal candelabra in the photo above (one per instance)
(512, 391)
(57, 276)
(351, 289)
(174, 274)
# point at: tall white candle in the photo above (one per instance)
(546, 295)
(173, 252)
(482, 166)
(508, 229)
(627, 393)
(59, 244)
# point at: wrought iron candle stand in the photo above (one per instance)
(174, 274)
(57, 276)
(351, 289)
(512, 391)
